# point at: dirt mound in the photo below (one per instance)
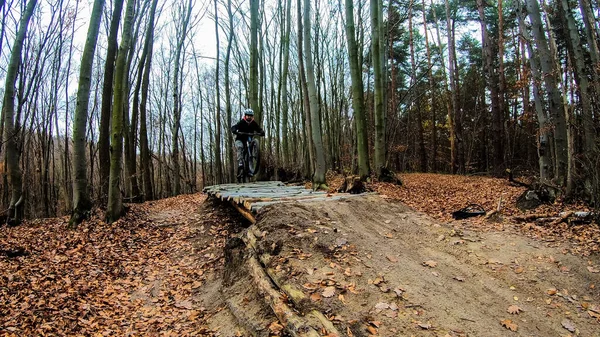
(375, 267)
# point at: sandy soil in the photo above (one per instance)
(376, 267)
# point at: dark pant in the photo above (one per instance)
(239, 146)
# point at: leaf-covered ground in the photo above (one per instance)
(439, 195)
(135, 277)
(151, 273)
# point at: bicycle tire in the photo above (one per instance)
(254, 160)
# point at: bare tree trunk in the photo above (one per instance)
(284, 79)
(230, 162)
(218, 162)
(115, 200)
(107, 92)
(581, 77)
(254, 59)
(318, 177)
(492, 84)
(550, 72)
(81, 200)
(310, 155)
(380, 143)
(182, 33)
(591, 34)
(15, 209)
(145, 159)
(544, 129)
(357, 94)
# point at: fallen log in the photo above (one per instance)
(562, 218)
(294, 324)
(297, 296)
(530, 217)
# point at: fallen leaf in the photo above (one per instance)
(389, 236)
(309, 286)
(342, 298)
(425, 326)
(459, 278)
(372, 330)
(391, 258)
(519, 270)
(315, 297)
(510, 325)
(551, 291)
(430, 264)
(514, 310)
(328, 292)
(387, 221)
(382, 306)
(593, 270)
(276, 328)
(184, 305)
(569, 325)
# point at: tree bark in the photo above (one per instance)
(145, 159)
(544, 129)
(218, 161)
(492, 83)
(186, 12)
(549, 73)
(380, 144)
(284, 89)
(254, 104)
(319, 173)
(114, 209)
(107, 93)
(81, 201)
(357, 94)
(230, 163)
(15, 209)
(581, 78)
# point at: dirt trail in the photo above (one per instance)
(376, 267)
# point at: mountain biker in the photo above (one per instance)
(246, 126)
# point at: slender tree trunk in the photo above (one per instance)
(230, 162)
(357, 94)
(433, 104)
(549, 73)
(115, 200)
(544, 129)
(81, 201)
(380, 143)
(309, 148)
(145, 159)
(218, 162)
(284, 79)
(319, 173)
(107, 92)
(254, 59)
(492, 84)
(581, 77)
(186, 12)
(15, 209)
(591, 34)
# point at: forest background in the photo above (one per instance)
(142, 110)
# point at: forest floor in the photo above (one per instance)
(392, 264)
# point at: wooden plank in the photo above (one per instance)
(245, 213)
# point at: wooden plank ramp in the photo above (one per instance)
(249, 198)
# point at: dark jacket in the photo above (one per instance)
(245, 127)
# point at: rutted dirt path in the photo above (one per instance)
(376, 267)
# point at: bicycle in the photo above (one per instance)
(251, 158)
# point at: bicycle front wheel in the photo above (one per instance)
(254, 160)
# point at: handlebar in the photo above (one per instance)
(249, 134)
